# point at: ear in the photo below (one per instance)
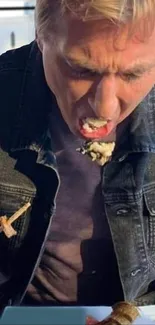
(39, 42)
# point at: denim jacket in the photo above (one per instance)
(28, 173)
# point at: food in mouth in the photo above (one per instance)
(90, 123)
(92, 128)
(124, 313)
(98, 151)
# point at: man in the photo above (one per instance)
(89, 236)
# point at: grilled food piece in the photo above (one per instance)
(124, 313)
(100, 151)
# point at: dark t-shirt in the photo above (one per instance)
(79, 264)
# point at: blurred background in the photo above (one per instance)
(16, 23)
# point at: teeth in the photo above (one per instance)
(87, 127)
(92, 123)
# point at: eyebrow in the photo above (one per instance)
(136, 68)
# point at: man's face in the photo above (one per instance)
(93, 73)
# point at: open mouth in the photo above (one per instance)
(90, 124)
(92, 128)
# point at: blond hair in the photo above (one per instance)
(49, 12)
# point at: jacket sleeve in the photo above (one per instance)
(12, 66)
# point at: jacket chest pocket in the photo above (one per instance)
(11, 200)
(149, 198)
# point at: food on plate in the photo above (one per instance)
(124, 313)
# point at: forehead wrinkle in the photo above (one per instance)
(83, 61)
(88, 57)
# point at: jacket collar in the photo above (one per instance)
(142, 125)
(139, 135)
(30, 130)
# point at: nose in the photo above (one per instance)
(106, 104)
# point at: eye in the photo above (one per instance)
(82, 73)
(130, 77)
(79, 72)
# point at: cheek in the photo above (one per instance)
(141, 90)
(53, 78)
(78, 89)
(133, 97)
(133, 93)
(64, 88)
